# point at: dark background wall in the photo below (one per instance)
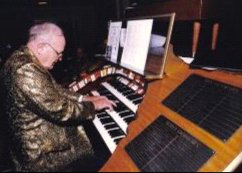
(84, 22)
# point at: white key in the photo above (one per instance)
(121, 97)
(95, 93)
(121, 123)
(93, 77)
(104, 134)
(81, 84)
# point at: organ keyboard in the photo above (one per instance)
(123, 87)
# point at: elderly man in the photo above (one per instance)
(40, 114)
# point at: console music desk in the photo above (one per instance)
(151, 108)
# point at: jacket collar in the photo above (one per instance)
(30, 54)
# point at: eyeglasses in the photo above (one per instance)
(59, 54)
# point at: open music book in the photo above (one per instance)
(136, 45)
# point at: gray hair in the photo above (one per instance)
(44, 31)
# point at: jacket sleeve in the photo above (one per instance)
(44, 98)
(67, 93)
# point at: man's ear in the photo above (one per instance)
(41, 48)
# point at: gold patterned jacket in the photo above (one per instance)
(42, 116)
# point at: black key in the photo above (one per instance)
(103, 115)
(133, 97)
(116, 133)
(118, 85)
(120, 107)
(122, 88)
(111, 126)
(101, 111)
(138, 101)
(106, 120)
(128, 92)
(102, 89)
(126, 114)
(102, 93)
(128, 120)
(111, 97)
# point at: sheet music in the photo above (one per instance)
(113, 41)
(136, 46)
(123, 37)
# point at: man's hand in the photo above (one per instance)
(100, 102)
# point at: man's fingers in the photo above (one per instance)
(101, 97)
(102, 102)
(109, 104)
(106, 100)
(113, 103)
(93, 98)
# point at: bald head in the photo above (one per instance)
(44, 32)
(47, 42)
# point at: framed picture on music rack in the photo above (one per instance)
(159, 45)
(141, 44)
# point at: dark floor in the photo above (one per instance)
(5, 161)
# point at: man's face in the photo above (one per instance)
(53, 52)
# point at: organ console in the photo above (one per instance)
(133, 94)
(126, 89)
